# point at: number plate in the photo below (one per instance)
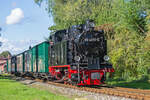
(95, 75)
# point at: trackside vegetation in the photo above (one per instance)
(136, 84)
(126, 24)
(12, 90)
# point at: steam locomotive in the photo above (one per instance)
(77, 55)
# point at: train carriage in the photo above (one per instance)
(43, 57)
(9, 65)
(39, 60)
(34, 60)
(27, 61)
(20, 63)
(13, 64)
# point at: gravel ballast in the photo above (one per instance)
(69, 92)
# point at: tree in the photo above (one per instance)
(5, 54)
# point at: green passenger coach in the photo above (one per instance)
(43, 57)
(33, 61)
(39, 58)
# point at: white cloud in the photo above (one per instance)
(16, 46)
(15, 16)
(8, 46)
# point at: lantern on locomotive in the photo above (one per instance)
(78, 55)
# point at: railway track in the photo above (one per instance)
(138, 94)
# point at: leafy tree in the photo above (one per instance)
(5, 54)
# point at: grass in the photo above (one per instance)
(137, 84)
(12, 90)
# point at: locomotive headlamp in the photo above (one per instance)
(77, 58)
(92, 24)
(106, 58)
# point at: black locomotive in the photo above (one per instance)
(79, 54)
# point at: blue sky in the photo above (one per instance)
(23, 23)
